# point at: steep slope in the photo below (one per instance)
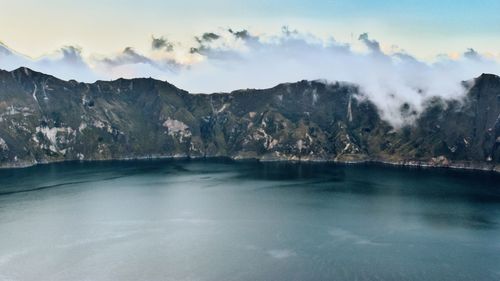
(45, 119)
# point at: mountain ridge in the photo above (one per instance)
(46, 119)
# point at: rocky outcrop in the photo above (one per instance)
(44, 119)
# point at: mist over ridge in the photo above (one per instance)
(226, 59)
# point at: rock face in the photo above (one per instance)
(44, 119)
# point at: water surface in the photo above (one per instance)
(223, 220)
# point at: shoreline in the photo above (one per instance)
(458, 165)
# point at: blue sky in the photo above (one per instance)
(425, 28)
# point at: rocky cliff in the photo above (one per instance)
(44, 119)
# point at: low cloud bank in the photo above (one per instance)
(227, 60)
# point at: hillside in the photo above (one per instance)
(44, 119)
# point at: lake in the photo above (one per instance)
(225, 220)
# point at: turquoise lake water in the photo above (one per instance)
(225, 220)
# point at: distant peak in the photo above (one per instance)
(488, 76)
(4, 49)
(24, 70)
(28, 72)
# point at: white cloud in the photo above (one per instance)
(65, 63)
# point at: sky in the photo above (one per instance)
(424, 28)
(398, 52)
